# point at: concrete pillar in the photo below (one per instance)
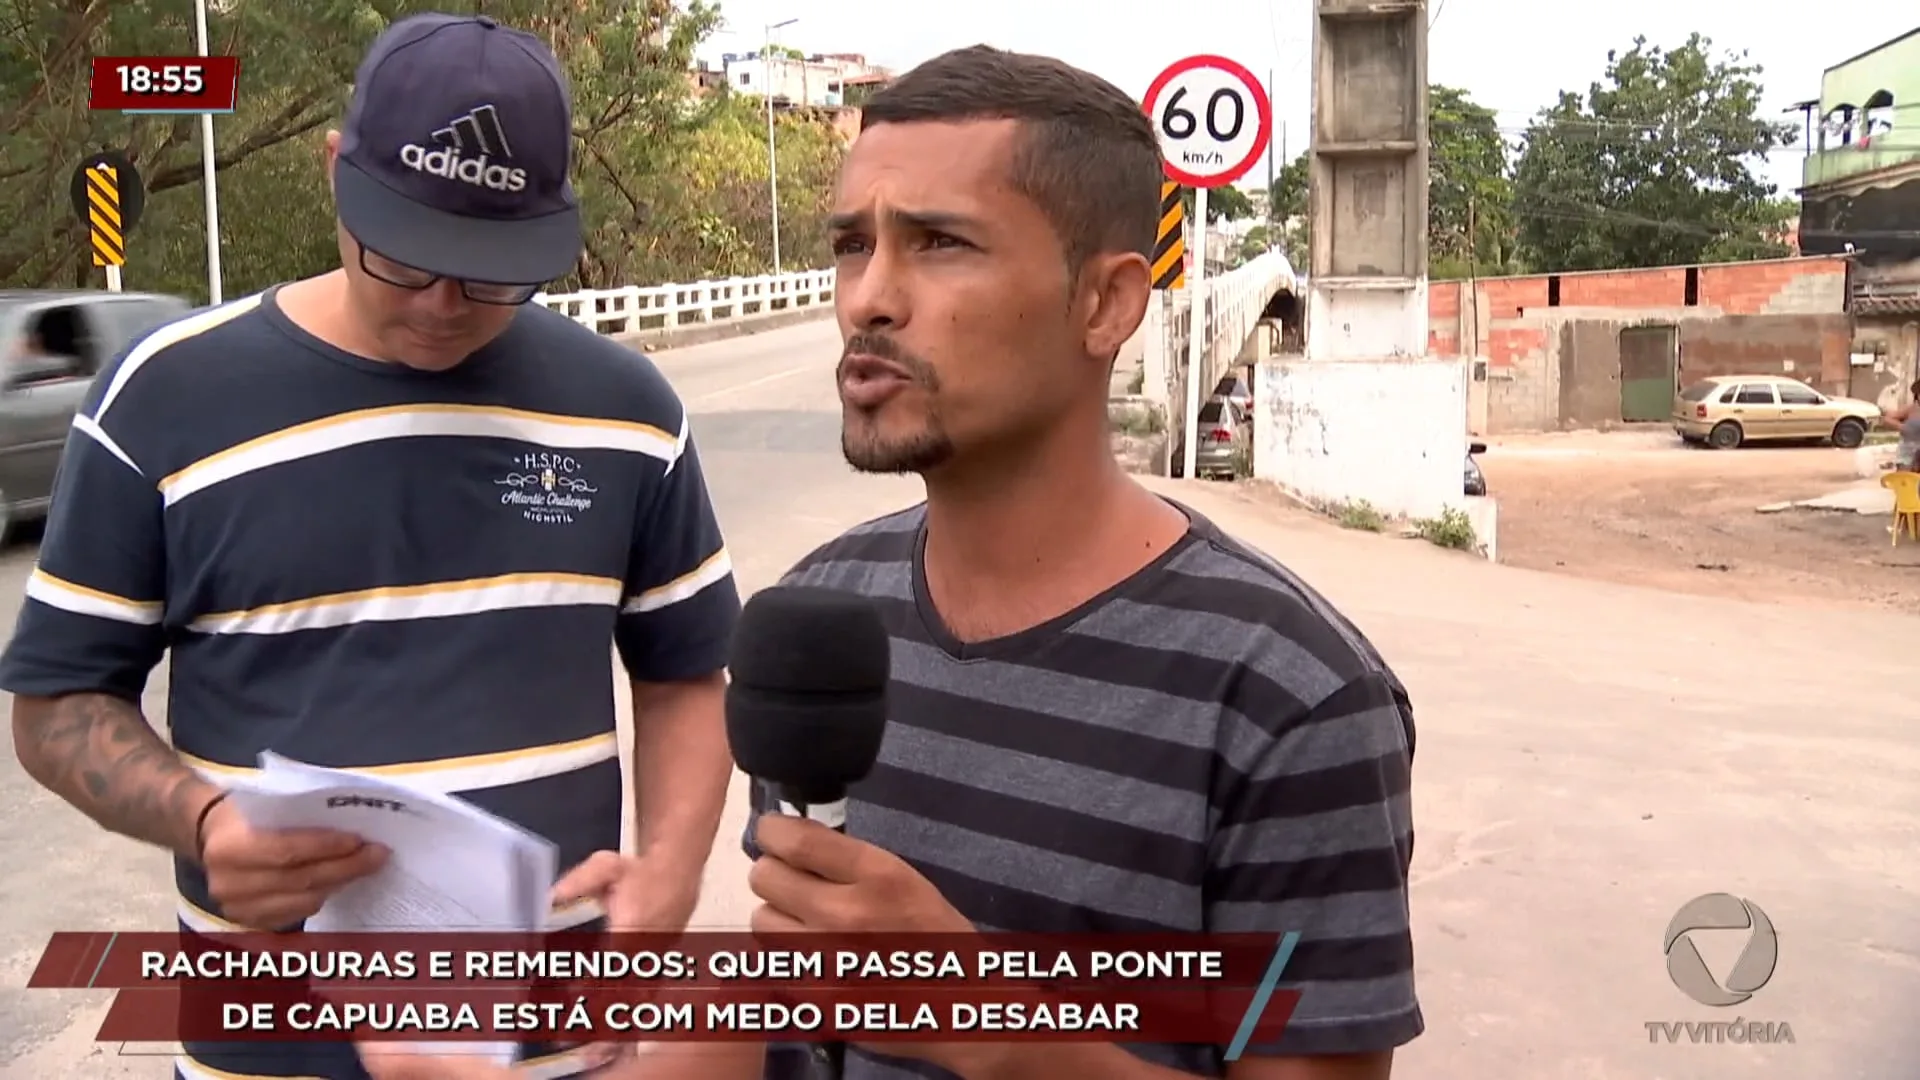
(1260, 344)
(1368, 415)
(1368, 180)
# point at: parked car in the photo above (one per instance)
(1237, 389)
(1226, 441)
(1476, 480)
(1727, 411)
(51, 346)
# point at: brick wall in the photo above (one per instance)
(1799, 286)
(1443, 317)
(1784, 315)
(1812, 286)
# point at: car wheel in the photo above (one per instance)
(1849, 433)
(1726, 435)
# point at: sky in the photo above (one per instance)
(1509, 55)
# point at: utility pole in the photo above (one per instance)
(1273, 211)
(207, 169)
(1473, 233)
(773, 155)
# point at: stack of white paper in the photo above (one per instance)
(453, 865)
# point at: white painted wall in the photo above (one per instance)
(1392, 432)
(1346, 321)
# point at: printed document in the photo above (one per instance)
(453, 866)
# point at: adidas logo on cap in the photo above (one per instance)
(478, 134)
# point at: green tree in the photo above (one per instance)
(1469, 195)
(1227, 203)
(1288, 195)
(634, 122)
(639, 133)
(1291, 213)
(299, 57)
(724, 196)
(1254, 243)
(1652, 166)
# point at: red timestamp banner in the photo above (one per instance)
(165, 83)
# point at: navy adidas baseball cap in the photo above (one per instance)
(455, 150)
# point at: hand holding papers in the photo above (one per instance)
(449, 864)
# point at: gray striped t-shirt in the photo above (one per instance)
(1207, 746)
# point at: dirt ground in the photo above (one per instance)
(1640, 507)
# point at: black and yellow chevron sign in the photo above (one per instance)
(1170, 247)
(104, 224)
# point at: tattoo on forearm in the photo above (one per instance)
(100, 753)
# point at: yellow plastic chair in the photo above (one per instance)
(1906, 503)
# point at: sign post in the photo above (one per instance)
(1214, 120)
(208, 169)
(108, 196)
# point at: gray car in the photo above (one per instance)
(52, 344)
(1226, 441)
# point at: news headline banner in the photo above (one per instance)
(702, 987)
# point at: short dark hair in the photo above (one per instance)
(1088, 158)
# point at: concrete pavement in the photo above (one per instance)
(1590, 757)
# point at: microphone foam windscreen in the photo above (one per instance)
(805, 640)
(806, 704)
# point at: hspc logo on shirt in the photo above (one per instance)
(547, 487)
(466, 150)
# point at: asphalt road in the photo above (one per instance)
(1591, 756)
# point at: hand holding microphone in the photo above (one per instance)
(806, 712)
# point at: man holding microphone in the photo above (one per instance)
(392, 519)
(1105, 715)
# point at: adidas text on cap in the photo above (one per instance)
(455, 151)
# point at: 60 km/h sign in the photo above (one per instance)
(1213, 117)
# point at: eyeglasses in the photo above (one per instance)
(402, 276)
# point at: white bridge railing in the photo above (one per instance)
(1235, 302)
(639, 308)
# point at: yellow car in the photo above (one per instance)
(1729, 410)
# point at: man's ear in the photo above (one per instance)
(1115, 286)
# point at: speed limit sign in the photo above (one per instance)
(1213, 119)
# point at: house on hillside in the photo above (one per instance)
(828, 87)
(1860, 194)
(819, 80)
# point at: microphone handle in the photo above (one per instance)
(833, 815)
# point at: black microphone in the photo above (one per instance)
(807, 705)
(807, 700)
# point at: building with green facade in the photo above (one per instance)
(1861, 180)
(1860, 193)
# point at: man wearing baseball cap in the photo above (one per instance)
(479, 192)
(390, 518)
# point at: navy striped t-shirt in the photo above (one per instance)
(361, 565)
(1206, 747)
